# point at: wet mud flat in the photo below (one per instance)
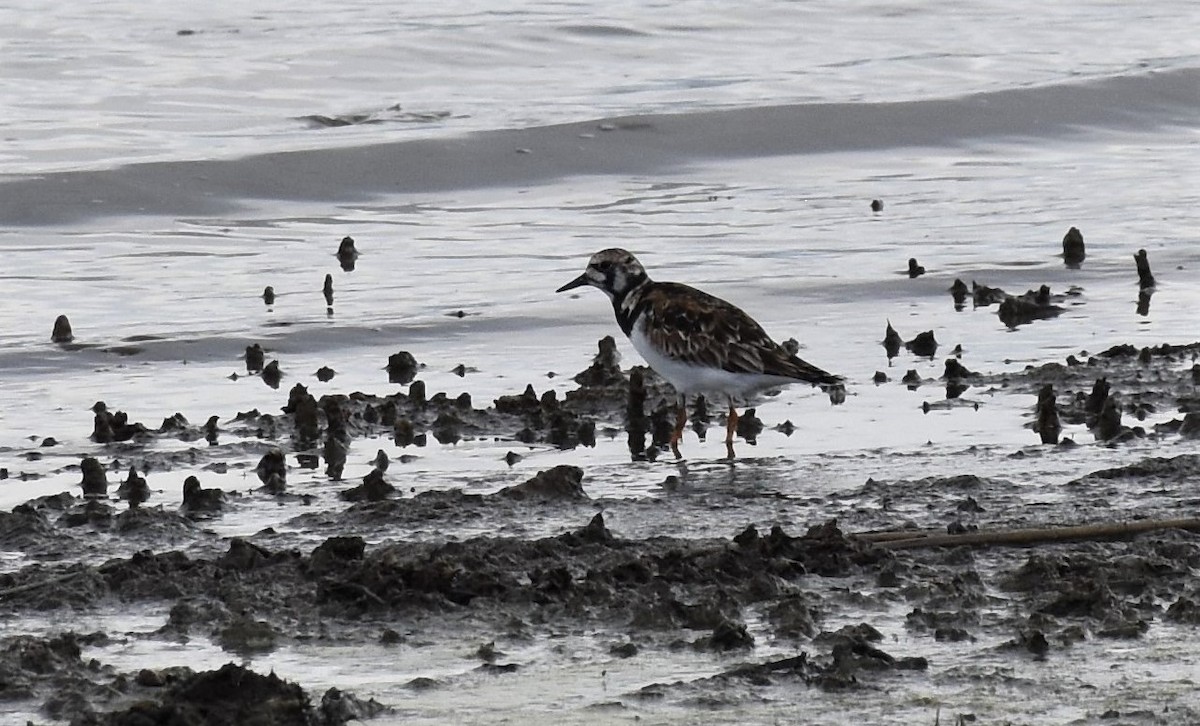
(798, 606)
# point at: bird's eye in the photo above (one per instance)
(604, 266)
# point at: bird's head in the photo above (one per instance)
(615, 271)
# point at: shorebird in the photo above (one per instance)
(699, 343)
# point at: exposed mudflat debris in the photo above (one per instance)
(769, 597)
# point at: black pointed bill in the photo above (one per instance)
(577, 282)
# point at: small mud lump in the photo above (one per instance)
(924, 345)
(95, 482)
(271, 374)
(402, 367)
(62, 330)
(1047, 425)
(561, 482)
(1073, 249)
(892, 341)
(1145, 278)
(200, 501)
(255, 358)
(1033, 305)
(347, 254)
(606, 366)
(134, 489)
(374, 488)
(959, 292)
(272, 469)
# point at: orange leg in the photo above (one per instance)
(680, 421)
(730, 429)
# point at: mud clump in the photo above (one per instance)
(335, 553)
(892, 341)
(374, 488)
(959, 292)
(983, 296)
(110, 427)
(95, 481)
(750, 426)
(236, 696)
(958, 378)
(347, 254)
(1073, 248)
(605, 369)
(1107, 425)
(924, 345)
(134, 489)
(1033, 305)
(62, 332)
(199, 502)
(402, 367)
(1111, 596)
(272, 471)
(271, 374)
(51, 669)
(255, 356)
(1047, 424)
(1145, 277)
(560, 482)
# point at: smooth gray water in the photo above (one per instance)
(104, 82)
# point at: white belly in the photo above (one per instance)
(691, 379)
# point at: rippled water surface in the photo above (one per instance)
(105, 82)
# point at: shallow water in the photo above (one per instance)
(106, 82)
(164, 297)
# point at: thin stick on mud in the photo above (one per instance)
(1025, 537)
(39, 583)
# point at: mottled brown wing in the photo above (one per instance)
(692, 326)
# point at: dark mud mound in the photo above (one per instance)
(1113, 591)
(41, 667)
(852, 656)
(588, 572)
(663, 583)
(235, 696)
(69, 688)
(561, 482)
(1181, 469)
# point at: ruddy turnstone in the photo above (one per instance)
(698, 342)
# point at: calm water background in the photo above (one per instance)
(789, 237)
(107, 83)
